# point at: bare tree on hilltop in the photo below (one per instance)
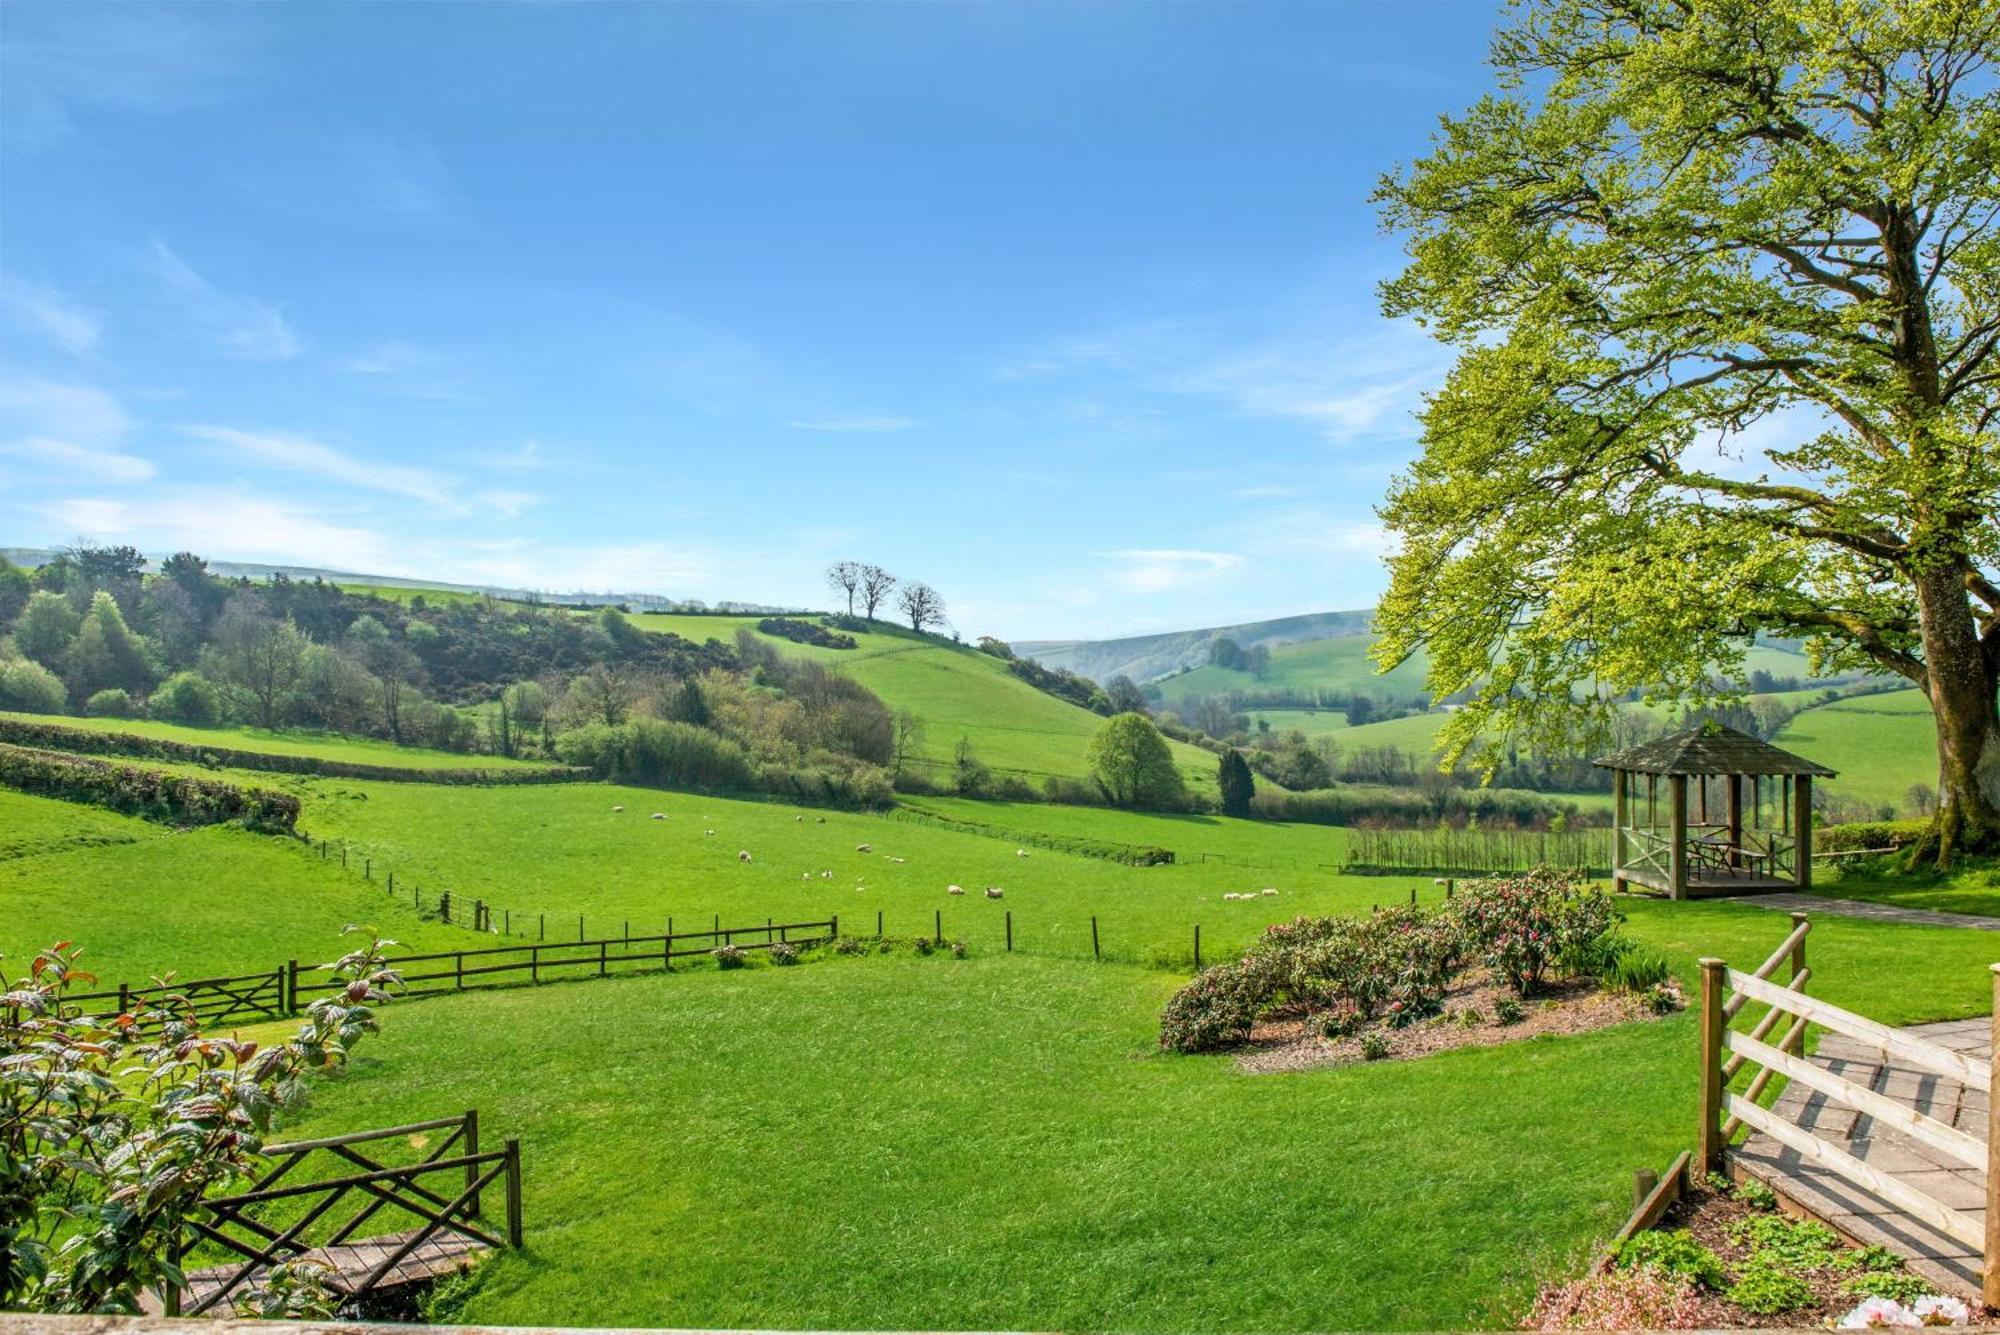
(845, 577)
(874, 587)
(922, 604)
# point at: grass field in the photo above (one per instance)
(146, 899)
(1339, 667)
(996, 1143)
(958, 692)
(1880, 744)
(325, 746)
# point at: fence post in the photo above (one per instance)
(600, 959)
(1989, 1279)
(392, 883)
(124, 998)
(472, 1169)
(767, 929)
(878, 924)
(368, 869)
(833, 928)
(579, 927)
(534, 965)
(1010, 929)
(444, 906)
(507, 922)
(1095, 953)
(1708, 1143)
(513, 1193)
(460, 980)
(343, 856)
(937, 927)
(1197, 947)
(541, 927)
(292, 987)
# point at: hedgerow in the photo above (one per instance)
(56, 737)
(805, 632)
(153, 794)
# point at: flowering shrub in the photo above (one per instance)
(1523, 924)
(784, 953)
(1213, 1011)
(728, 957)
(1619, 1300)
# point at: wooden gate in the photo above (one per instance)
(404, 1222)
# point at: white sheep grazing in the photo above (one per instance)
(805, 876)
(826, 875)
(743, 855)
(1270, 890)
(708, 832)
(819, 820)
(954, 889)
(1020, 852)
(659, 815)
(797, 819)
(863, 848)
(618, 808)
(993, 892)
(898, 861)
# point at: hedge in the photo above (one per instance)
(1859, 835)
(154, 794)
(1109, 850)
(55, 737)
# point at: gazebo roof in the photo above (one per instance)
(1710, 749)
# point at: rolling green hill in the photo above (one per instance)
(957, 692)
(1336, 668)
(287, 742)
(1882, 745)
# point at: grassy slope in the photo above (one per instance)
(327, 746)
(145, 899)
(996, 1144)
(1880, 744)
(958, 692)
(1339, 665)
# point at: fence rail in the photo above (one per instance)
(1471, 852)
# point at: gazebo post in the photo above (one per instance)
(1802, 819)
(1735, 820)
(1677, 862)
(1620, 780)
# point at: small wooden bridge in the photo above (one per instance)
(415, 1221)
(1884, 1134)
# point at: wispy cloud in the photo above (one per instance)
(1263, 493)
(524, 459)
(302, 454)
(507, 504)
(71, 327)
(63, 429)
(257, 527)
(62, 66)
(1169, 569)
(854, 424)
(393, 357)
(244, 326)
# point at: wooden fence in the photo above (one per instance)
(1726, 1051)
(289, 1213)
(213, 1001)
(1473, 852)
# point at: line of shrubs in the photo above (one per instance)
(1395, 966)
(805, 632)
(1494, 809)
(154, 794)
(1858, 835)
(54, 736)
(1109, 850)
(662, 753)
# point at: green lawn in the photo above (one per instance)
(1338, 666)
(1880, 744)
(145, 899)
(958, 692)
(996, 1143)
(288, 742)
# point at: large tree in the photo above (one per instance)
(922, 604)
(1133, 764)
(875, 584)
(1723, 280)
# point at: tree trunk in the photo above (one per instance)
(1963, 692)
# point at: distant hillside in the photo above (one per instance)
(1145, 657)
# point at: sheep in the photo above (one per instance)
(1270, 890)
(805, 876)
(743, 855)
(898, 861)
(819, 820)
(826, 875)
(993, 892)
(618, 808)
(1020, 852)
(954, 889)
(659, 815)
(863, 848)
(708, 832)
(797, 819)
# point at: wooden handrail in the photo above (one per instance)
(1939, 1135)
(1920, 1052)
(1770, 966)
(358, 1137)
(1957, 1225)
(1766, 1023)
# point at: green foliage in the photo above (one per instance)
(187, 698)
(112, 702)
(1795, 1244)
(805, 632)
(649, 751)
(154, 794)
(728, 957)
(1237, 786)
(1131, 763)
(1214, 1011)
(1767, 1290)
(16, 586)
(1374, 1047)
(1899, 1286)
(1637, 970)
(1508, 1010)
(105, 654)
(1677, 223)
(46, 627)
(1756, 1195)
(1674, 1254)
(1858, 835)
(27, 686)
(111, 1133)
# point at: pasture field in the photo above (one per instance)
(286, 742)
(957, 692)
(1338, 666)
(1880, 744)
(145, 899)
(996, 1143)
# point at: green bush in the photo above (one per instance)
(1214, 1011)
(1897, 1286)
(112, 702)
(1674, 1255)
(1525, 923)
(728, 957)
(1374, 1047)
(188, 698)
(783, 954)
(1858, 835)
(1764, 1289)
(29, 688)
(1638, 970)
(1508, 1011)
(153, 794)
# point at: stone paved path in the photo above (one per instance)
(1859, 1214)
(1867, 908)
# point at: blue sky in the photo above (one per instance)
(1066, 309)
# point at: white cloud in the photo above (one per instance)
(63, 65)
(244, 326)
(854, 424)
(1169, 569)
(228, 524)
(71, 327)
(61, 457)
(302, 454)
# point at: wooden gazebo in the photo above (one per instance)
(1704, 834)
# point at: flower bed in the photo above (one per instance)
(1520, 954)
(1724, 1257)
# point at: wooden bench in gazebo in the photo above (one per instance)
(1733, 815)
